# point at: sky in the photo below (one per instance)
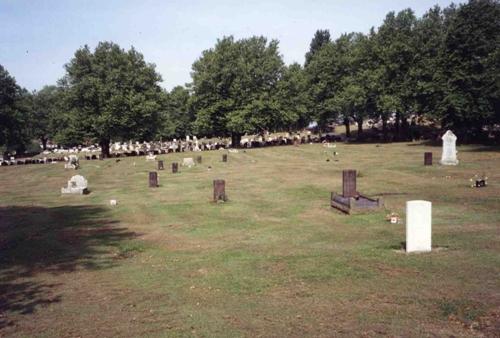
(37, 37)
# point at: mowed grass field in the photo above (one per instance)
(273, 261)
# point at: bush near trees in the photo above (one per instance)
(443, 68)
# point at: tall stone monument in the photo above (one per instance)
(449, 155)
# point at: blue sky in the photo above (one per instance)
(37, 37)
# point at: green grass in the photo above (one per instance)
(275, 260)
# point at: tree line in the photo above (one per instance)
(442, 69)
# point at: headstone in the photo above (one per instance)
(160, 165)
(150, 157)
(418, 226)
(175, 167)
(449, 155)
(188, 161)
(153, 179)
(76, 185)
(224, 157)
(220, 191)
(198, 159)
(427, 158)
(113, 202)
(101, 157)
(72, 162)
(349, 183)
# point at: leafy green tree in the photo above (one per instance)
(234, 88)
(430, 81)
(471, 67)
(177, 115)
(292, 96)
(46, 104)
(325, 72)
(15, 106)
(111, 94)
(395, 51)
(321, 38)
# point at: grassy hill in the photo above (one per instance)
(275, 260)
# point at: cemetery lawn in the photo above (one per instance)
(273, 261)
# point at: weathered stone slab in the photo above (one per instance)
(220, 191)
(160, 165)
(428, 158)
(349, 183)
(153, 179)
(224, 157)
(449, 155)
(76, 185)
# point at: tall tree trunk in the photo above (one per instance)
(236, 140)
(398, 129)
(360, 127)
(44, 142)
(104, 143)
(384, 127)
(347, 128)
(405, 127)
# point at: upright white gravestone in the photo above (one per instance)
(418, 226)
(449, 155)
(76, 185)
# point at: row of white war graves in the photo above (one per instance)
(119, 149)
(418, 212)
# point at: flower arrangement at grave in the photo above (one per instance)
(393, 217)
(479, 181)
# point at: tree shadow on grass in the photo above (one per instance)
(36, 240)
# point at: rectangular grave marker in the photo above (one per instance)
(349, 183)
(175, 167)
(153, 179)
(224, 157)
(220, 191)
(198, 159)
(418, 226)
(427, 158)
(160, 165)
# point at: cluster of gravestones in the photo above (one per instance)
(418, 212)
(219, 185)
(118, 149)
(45, 160)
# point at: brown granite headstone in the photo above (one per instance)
(160, 165)
(349, 183)
(220, 191)
(224, 157)
(175, 167)
(153, 179)
(427, 158)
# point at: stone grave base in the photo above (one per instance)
(358, 204)
(74, 190)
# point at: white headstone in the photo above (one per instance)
(188, 161)
(418, 226)
(76, 185)
(150, 157)
(449, 155)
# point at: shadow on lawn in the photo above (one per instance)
(37, 240)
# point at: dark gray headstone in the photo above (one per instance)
(224, 157)
(153, 179)
(349, 183)
(220, 191)
(427, 158)
(175, 167)
(160, 165)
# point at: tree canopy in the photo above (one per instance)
(112, 94)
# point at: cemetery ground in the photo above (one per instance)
(274, 260)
